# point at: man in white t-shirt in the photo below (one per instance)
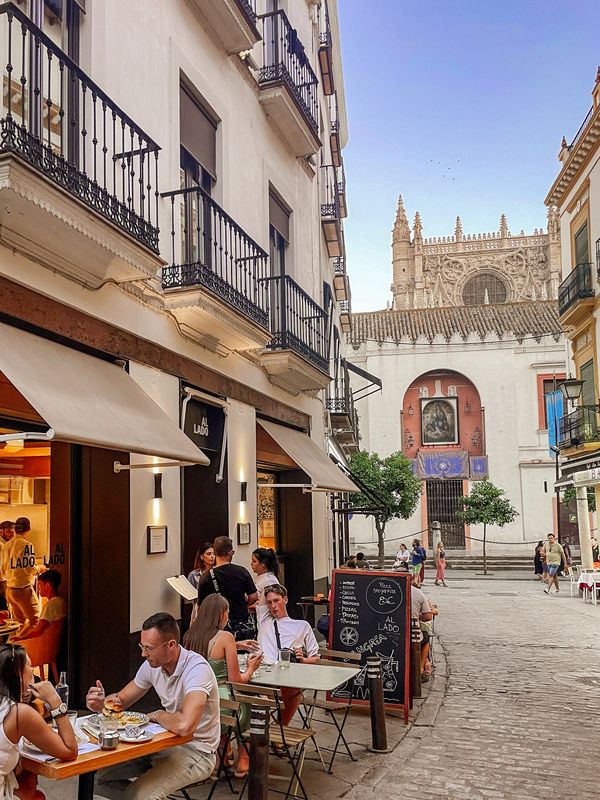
(55, 609)
(279, 631)
(189, 694)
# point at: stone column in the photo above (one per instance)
(583, 521)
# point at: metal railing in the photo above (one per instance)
(284, 60)
(297, 322)
(209, 249)
(248, 8)
(339, 265)
(576, 286)
(64, 126)
(579, 427)
(334, 113)
(577, 136)
(598, 258)
(330, 191)
(325, 39)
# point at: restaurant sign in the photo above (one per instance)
(204, 425)
(587, 477)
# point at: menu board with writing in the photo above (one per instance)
(370, 615)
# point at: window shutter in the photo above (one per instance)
(198, 133)
(279, 217)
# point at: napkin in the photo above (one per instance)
(84, 747)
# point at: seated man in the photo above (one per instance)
(279, 631)
(188, 692)
(55, 609)
(423, 610)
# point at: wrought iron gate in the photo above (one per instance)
(442, 505)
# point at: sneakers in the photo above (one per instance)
(546, 590)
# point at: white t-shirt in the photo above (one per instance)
(55, 609)
(261, 582)
(192, 674)
(292, 633)
(18, 564)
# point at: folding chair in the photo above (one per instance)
(332, 708)
(229, 718)
(289, 740)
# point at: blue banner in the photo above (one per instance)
(452, 464)
(554, 413)
(479, 468)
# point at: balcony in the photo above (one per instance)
(78, 191)
(345, 316)
(349, 437)
(334, 132)
(331, 216)
(215, 284)
(341, 410)
(288, 85)
(579, 428)
(233, 21)
(342, 191)
(576, 294)
(598, 259)
(297, 357)
(326, 51)
(341, 284)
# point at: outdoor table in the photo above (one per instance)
(7, 628)
(308, 601)
(87, 764)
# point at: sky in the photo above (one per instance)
(460, 107)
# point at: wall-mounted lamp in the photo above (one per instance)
(244, 491)
(158, 485)
(410, 410)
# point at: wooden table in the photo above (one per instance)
(87, 764)
(7, 628)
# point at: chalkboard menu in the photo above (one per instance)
(370, 615)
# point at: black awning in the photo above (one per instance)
(362, 373)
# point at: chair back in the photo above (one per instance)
(339, 655)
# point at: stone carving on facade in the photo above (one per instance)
(433, 272)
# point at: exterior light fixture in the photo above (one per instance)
(158, 486)
(410, 410)
(571, 389)
(244, 491)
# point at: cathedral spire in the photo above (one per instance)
(503, 227)
(401, 229)
(418, 229)
(458, 231)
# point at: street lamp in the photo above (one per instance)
(571, 389)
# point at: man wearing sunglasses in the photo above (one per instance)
(188, 691)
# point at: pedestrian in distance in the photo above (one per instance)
(595, 553)
(555, 556)
(402, 558)
(439, 557)
(417, 560)
(538, 563)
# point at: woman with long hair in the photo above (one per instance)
(265, 566)
(18, 719)
(439, 557)
(207, 637)
(204, 560)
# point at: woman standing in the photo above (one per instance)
(538, 564)
(18, 719)
(417, 560)
(439, 557)
(265, 566)
(205, 559)
(207, 637)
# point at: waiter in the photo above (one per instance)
(7, 531)
(19, 569)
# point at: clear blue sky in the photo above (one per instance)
(460, 107)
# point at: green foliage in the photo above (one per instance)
(570, 494)
(392, 481)
(486, 505)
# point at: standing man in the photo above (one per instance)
(19, 569)
(7, 531)
(235, 584)
(278, 632)
(189, 695)
(555, 556)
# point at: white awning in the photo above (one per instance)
(310, 458)
(86, 400)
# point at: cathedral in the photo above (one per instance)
(467, 349)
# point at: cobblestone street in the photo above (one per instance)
(515, 720)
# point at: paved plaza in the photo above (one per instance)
(509, 713)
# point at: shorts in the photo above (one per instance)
(415, 569)
(553, 569)
(425, 637)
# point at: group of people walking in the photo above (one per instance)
(550, 560)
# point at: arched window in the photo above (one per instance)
(484, 288)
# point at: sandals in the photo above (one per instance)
(425, 677)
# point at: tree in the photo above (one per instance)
(486, 506)
(570, 494)
(391, 490)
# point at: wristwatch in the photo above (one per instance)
(59, 712)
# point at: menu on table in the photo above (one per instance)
(370, 615)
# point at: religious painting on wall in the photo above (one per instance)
(439, 420)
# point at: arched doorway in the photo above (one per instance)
(443, 429)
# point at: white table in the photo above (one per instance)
(311, 677)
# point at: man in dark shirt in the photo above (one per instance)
(235, 584)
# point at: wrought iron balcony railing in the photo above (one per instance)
(298, 323)
(339, 405)
(285, 61)
(339, 266)
(330, 192)
(598, 258)
(326, 50)
(583, 126)
(576, 286)
(210, 250)
(248, 8)
(579, 427)
(65, 127)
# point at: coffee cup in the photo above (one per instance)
(133, 730)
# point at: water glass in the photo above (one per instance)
(284, 658)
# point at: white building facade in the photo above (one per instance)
(172, 203)
(465, 356)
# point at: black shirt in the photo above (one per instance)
(234, 583)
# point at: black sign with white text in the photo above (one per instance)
(204, 425)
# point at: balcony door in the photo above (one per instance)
(582, 249)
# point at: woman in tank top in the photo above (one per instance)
(207, 637)
(18, 719)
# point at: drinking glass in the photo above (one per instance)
(284, 658)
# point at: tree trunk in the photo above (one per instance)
(484, 559)
(380, 542)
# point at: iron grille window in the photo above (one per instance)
(484, 289)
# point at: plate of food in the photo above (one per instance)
(112, 709)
